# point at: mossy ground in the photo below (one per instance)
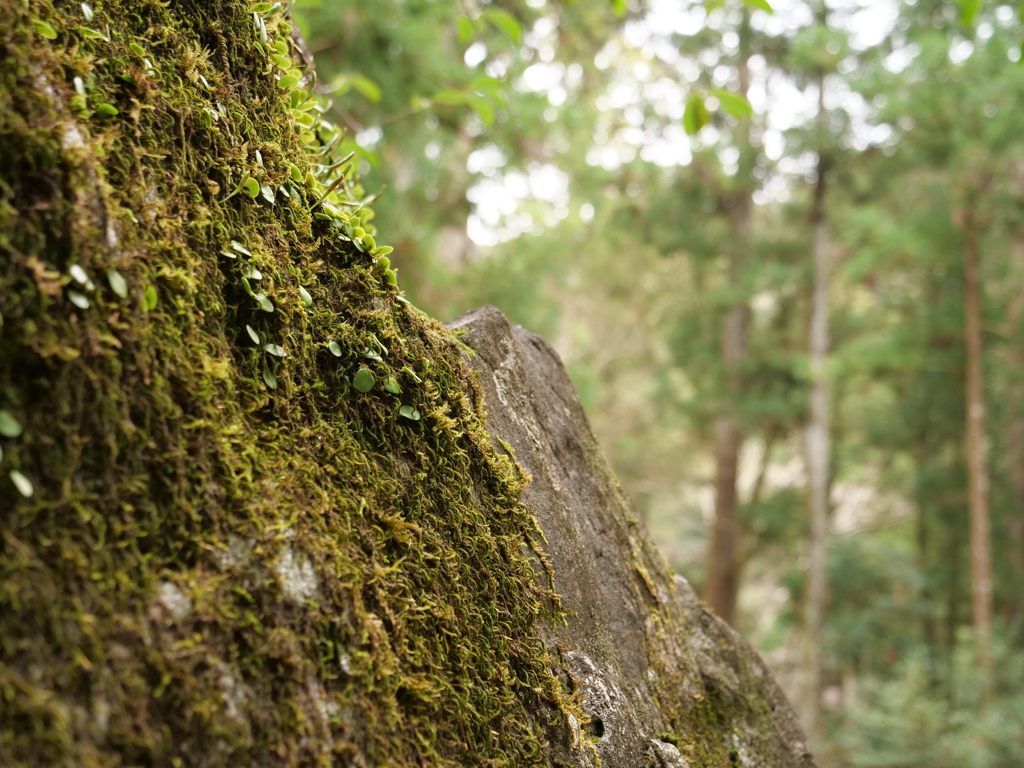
(211, 571)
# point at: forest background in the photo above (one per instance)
(781, 251)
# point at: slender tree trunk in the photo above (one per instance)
(1016, 446)
(977, 472)
(723, 567)
(818, 442)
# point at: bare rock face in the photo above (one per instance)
(665, 682)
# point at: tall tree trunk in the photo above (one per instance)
(1015, 444)
(818, 443)
(977, 472)
(722, 585)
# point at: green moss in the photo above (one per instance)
(212, 571)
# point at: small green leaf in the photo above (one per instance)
(619, 6)
(282, 62)
(91, 34)
(21, 482)
(384, 262)
(106, 109)
(252, 334)
(149, 298)
(87, 11)
(78, 299)
(9, 426)
(265, 304)
(78, 274)
(411, 372)
(268, 193)
(409, 412)
(137, 49)
(392, 278)
(270, 379)
(287, 82)
(759, 5)
(44, 29)
(251, 187)
(733, 104)
(275, 349)
(363, 380)
(383, 250)
(260, 8)
(335, 348)
(249, 272)
(696, 115)
(241, 185)
(372, 355)
(391, 385)
(240, 248)
(306, 298)
(117, 283)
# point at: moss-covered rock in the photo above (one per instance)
(215, 547)
(249, 510)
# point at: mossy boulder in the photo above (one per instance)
(250, 513)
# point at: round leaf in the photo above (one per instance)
(117, 283)
(363, 380)
(287, 82)
(392, 386)
(76, 271)
(409, 412)
(335, 348)
(22, 483)
(149, 298)
(9, 426)
(275, 349)
(78, 299)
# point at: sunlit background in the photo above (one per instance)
(585, 167)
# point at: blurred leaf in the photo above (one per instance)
(9, 426)
(366, 86)
(482, 107)
(117, 283)
(696, 115)
(733, 104)
(759, 5)
(619, 6)
(505, 23)
(22, 483)
(969, 11)
(466, 30)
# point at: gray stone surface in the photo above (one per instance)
(665, 682)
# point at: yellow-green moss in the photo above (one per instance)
(146, 612)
